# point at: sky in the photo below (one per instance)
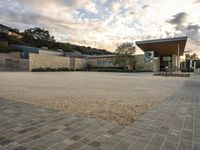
(107, 23)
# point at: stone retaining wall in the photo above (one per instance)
(47, 61)
(14, 65)
(12, 55)
(79, 63)
(13, 62)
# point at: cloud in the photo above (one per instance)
(184, 27)
(192, 31)
(91, 7)
(197, 1)
(45, 3)
(179, 18)
(104, 23)
(195, 27)
(145, 6)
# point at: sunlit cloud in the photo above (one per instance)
(106, 23)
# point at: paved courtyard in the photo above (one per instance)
(174, 123)
(118, 97)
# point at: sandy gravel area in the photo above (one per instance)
(120, 97)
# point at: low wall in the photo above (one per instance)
(197, 71)
(142, 66)
(79, 63)
(12, 55)
(47, 61)
(102, 61)
(13, 62)
(14, 65)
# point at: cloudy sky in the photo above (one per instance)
(107, 23)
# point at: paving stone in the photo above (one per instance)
(185, 145)
(5, 142)
(76, 145)
(152, 147)
(95, 144)
(68, 141)
(76, 137)
(169, 146)
(39, 147)
(59, 146)
(137, 146)
(20, 148)
(12, 145)
(87, 147)
(157, 140)
(174, 124)
(105, 146)
(122, 146)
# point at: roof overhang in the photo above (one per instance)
(164, 47)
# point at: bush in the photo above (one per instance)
(50, 69)
(81, 69)
(110, 69)
(63, 69)
(4, 48)
(87, 66)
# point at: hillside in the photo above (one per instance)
(53, 45)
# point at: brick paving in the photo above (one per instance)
(173, 124)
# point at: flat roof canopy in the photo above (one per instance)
(164, 47)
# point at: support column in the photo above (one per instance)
(178, 57)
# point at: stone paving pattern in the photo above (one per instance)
(173, 124)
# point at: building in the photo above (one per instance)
(10, 31)
(4, 29)
(25, 50)
(159, 55)
(166, 52)
(102, 60)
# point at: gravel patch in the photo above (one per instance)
(119, 97)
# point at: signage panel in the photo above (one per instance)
(148, 56)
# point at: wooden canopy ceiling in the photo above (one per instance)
(164, 47)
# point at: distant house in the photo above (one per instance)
(4, 29)
(25, 50)
(10, 31)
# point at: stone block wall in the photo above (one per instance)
(12, 55)
(13, 62)
(102, 61)
(142, 66)
(47, 61)
(80, 62)
(37, 61)
(14, 65)
(197, 71)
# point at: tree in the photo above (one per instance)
(193, 56)
(125, 55)
(3, 45)
(39, 34)
(87, 66)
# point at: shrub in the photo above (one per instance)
(110, 69)
(49, 69)
(87, 66)
(81, 69)
(63, 69)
